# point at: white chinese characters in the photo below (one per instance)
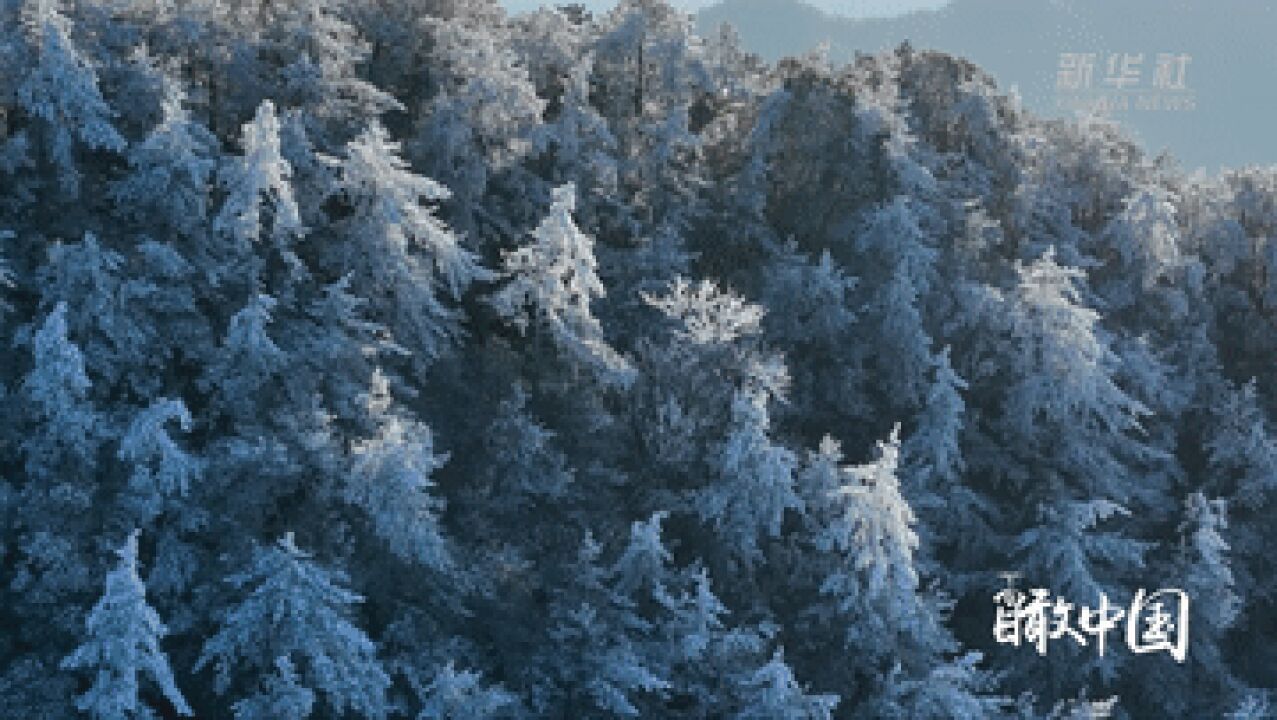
(1154, 622)
(1124, 71)
(1107, 83)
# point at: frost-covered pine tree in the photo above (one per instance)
(122, 649)
(653, 66)
(403, 258)
(248, 360)
(1206, 569)
(900, 259)
(709, 659)
(462, 695)
(68, 429)
(1241, 455)
(390, 480)
(549, 44)
(753, 485)
(772, 691)
(1240, 447)
(524, 468)
(280, 696)
(597, 655)
(875, 579)
(947, 690)
(487, 88)
(161, 468)
(932, 461)
(61, 91)
(810, 313)
(717, 328)
(295, 610)
(171, 171)
(707, 314)
(131, 307)
(323, 52)
(662, 169)
(86, 277)
(1205, 684)
(934, 447)
(56, 508)
(903, 347)
(553, 281)
(871, 593)
(882, 114)
(61, 502)
(709, 376)
(583, 146)
(753, 179)
(484, 116)
(808, 301)
(1077, 430)
(259, 202)
(1142, 245)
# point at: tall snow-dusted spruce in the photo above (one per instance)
(553, 281)
(259, 204)
(390, 479)
(290, 634)
(122, 648)
(171, 170)
(61, 91)
(395, 248)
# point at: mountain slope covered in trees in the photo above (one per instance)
(396, 358)
(1029, 44)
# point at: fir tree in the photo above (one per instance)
(122, 648)
(292, 625)
(406, 261)
(61, 91)
(553, 282)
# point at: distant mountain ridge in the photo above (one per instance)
(1020, 42)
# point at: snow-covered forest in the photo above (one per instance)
(404, 359)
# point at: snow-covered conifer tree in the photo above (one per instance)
(161, 469)
(462, 695)
(553, 281)
(68, 429)
(122, 649)
(933, 463)
(596, 655)
(294, 609)
(248, 359)
(754, 486)
(875, 534)
(171, 171)
(1078, 429)
(405, 260)
(390, 480)
(774, 692)
(259, 202)
(61, 90)
(323, 52)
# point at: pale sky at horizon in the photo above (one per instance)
(846, 8)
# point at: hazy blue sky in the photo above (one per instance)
(848, 8)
